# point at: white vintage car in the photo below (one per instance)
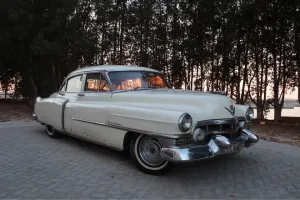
(133, 109)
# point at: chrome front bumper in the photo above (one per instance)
(217, 146)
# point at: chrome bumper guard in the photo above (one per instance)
(217, 146)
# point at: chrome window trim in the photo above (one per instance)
(119, 91)
(102, 75)
(66, 81)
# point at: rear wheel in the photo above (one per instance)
(145, 151)
(52, 132)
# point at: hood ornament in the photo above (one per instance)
(231, 109)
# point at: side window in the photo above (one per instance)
(74, 84)
(95, 83)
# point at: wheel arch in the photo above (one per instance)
(127, 139)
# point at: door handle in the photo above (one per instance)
(80, 94)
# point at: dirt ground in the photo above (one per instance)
(14, 111)
(287, 131)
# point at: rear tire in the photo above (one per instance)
(51, 132)
(145, 151)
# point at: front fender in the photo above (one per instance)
(241, 110)
(150, 120)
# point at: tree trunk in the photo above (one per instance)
(5, 92)
(258, 84)
(276, 91)
(261, 88)
(122, 31)
(54, 75)
(238, 87)
(259, 112)
(245, 76)
(192, 79)
(299, 82)
(212, 61)
(277, 113)
(115, 42)
(33, 94)
(297, 42)
(201, 76)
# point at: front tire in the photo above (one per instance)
(51, 132)
(145, 151)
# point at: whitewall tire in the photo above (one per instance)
(145, 151)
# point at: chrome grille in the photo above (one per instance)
(219, 126)
(183, 141)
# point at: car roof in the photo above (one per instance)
(111, 68)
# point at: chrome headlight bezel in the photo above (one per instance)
(185, 122)
(198, 135)
(250, 114)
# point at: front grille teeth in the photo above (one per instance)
(183, 141)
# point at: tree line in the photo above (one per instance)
(241, 46)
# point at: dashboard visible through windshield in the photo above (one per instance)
(130, 80)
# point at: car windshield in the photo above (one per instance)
(133, 80)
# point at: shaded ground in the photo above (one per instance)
(287, 131)
(35, 166)
(14, 111)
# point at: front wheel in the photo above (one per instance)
(145, 151)
(52, 132)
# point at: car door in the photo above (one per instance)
(91, 107)
(67, 98)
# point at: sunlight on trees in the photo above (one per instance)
(240, 46)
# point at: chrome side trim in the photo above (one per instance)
(63, 115)
(161, 135)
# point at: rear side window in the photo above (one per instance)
(95, 82)
(74, 84)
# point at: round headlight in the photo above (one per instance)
(198, 135)
(250, 114)
(185, 122)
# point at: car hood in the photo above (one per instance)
(200, 105)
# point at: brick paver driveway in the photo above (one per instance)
(32, 165)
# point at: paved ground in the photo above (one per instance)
(32, 165)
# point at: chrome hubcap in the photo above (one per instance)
(149, 151)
